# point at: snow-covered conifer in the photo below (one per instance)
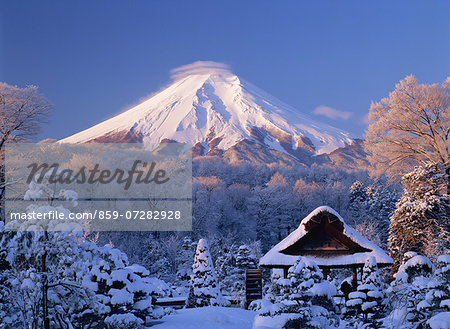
(245, 258)
(419, 222)
(184, 259)
(205, 290)
(372, 286)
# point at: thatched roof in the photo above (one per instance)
(325, 238)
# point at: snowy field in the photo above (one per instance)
(208, 317)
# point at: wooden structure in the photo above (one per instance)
(253, 285)
(324, 237)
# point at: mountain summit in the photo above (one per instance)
(214, 110)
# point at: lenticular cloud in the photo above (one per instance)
(200, 67)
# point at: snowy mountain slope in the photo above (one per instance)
(215, 109)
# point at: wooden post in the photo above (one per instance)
(325, 272)
(354, 279)
(285, 272)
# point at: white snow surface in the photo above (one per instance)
(215, 103)
(324, 288)
(440, 321)
(207, 318)
(415, 261)
(275, 258)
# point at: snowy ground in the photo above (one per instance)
(208, 318)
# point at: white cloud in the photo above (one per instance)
(332, 113)
(199, 67)
(365, 120)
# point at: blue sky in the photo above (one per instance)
(93, 59)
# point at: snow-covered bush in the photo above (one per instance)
(85, 283)
(303, 300)
(366, 305)
(124, 290)
(205, 290)
(373, 287)
(67, 260)
(420, 291)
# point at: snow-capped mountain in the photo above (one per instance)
(215, 110)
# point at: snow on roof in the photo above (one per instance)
(274, 258)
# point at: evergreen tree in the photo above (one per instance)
(184, 259)
(204, 289)
(357, 199)
(245, 258)
(226, 270)
(372, 286)
(421, 219)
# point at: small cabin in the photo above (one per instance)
(325, 238)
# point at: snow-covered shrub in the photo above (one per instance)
(420, 291)
(67, 261)
(414, 267)
(373, 287)
(439, 321)
(125, 321)
(205, 290)
(86, 283)
(366, 304)
(125, 290)
(303, 300)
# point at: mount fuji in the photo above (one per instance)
(218, 113)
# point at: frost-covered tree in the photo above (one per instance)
(421, 219)
(370, 208)
(410, 127)
(22, 110)
(205, 290)
(274, 210)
